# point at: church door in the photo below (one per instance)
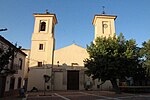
(72, 80)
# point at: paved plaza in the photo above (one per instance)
(81, 95)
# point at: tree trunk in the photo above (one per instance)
(2, 85)
(115, 86)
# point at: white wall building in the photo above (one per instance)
(12, 82)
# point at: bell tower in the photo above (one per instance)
(43, 40)
(104, 25)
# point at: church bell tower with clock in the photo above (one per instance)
(104, 25)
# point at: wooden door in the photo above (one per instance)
(72, 80)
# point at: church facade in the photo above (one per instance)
(61, 69)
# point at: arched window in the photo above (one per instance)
(42, 26)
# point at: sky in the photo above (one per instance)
(74, 19)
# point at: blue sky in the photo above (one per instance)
(74, 19)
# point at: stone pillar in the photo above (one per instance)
(81, 79)
(65, 78)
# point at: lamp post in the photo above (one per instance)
(3, 29)
(58, 63)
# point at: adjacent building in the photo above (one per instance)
(10, 83)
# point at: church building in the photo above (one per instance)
(61, 69)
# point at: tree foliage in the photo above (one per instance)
(145, 52)
(112, 58)
(6, 56)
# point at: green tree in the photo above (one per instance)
(112, 59)
(145, 54)
(6, 57)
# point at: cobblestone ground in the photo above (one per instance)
(87, 95)
(81, 95)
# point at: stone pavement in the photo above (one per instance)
(12, 98)
(80, 95)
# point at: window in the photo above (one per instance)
(41, 46)
(19, 82)
(42, 26)
(39, 64)
(104, 26)
(12, 83)
(20, 63)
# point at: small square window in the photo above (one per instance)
(39, 64)
(41, 46)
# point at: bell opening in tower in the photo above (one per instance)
(42, 26)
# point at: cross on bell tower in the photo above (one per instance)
(103, 9)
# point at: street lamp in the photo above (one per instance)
(58, 63)
(4, 29)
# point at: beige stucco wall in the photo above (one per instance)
(42, 37)
(98, 25)
(44, 56)
(59, 81)
(67, 55)
(19, 74)
(36, 78)
(74, 54)
(68, 58)
(60, 77)
(50, 20)
(70, 54)
(27, 60)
